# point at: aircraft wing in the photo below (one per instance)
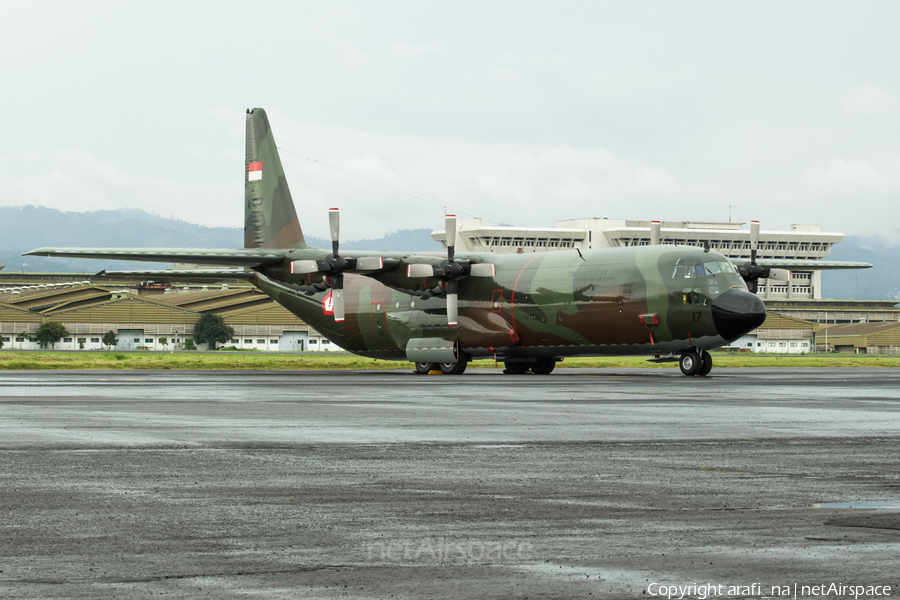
(810, 265)
(249, 257)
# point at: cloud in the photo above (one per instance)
(841, 176)
(869, 100)
(531, 184)
(75, 180)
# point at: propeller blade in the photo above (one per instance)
(369, 263)
(654, 233)
(452, 309)
(337, 296)
(754, 240)
(419, 271)
(301, 267)
(450, 231)
(334, 221)
(483, 270)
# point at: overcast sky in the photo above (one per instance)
(518, 112)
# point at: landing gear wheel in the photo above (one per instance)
(690, 363)
(423, 368)
(706, 359)
(515, 367)
(544, 366)
(457, 368)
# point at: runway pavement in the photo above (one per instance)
(588, 483)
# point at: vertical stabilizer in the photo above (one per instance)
(270, 220)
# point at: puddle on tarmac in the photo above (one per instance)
(881, 504)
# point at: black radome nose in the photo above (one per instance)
(736, 312)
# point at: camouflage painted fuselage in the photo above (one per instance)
(549, 304)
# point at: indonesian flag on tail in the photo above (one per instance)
(254, 171)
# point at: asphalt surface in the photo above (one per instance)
(605, 483)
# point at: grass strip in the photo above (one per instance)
(37, 360)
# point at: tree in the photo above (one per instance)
(163, 342)
(189, 344)
(110, 339)
(50, 332)
(212, 329)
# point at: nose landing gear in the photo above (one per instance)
(695, 363)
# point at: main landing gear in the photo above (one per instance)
(695, 363)
(450, 368)
(540, 366)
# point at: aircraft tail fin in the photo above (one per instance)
(270, 220)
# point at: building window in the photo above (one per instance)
(6, 339)
(67, 340)
(273, 341)
(804, 344)
(136, 340)
(148, 340)
(248, 341)
(260, 341)
(782, 345)
(19, 339)
(95, 340)
(793, 344)
(82, 340)
(235, 341)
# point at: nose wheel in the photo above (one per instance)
(695, 363)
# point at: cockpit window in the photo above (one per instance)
(710, 277)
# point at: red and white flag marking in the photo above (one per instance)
(254, 171)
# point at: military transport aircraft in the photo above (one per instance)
(439, 312)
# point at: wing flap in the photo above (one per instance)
(180, 274)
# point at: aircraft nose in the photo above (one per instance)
(736, 312)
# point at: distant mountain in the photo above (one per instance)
(882, 282)
(24, 228)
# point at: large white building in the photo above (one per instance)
(805, 242)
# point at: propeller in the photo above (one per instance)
(450, 272)
(752, 272)
(337, 264)
(334, 265)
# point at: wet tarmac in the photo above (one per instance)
(605, 483)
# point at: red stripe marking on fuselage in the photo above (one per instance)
(512, 301)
